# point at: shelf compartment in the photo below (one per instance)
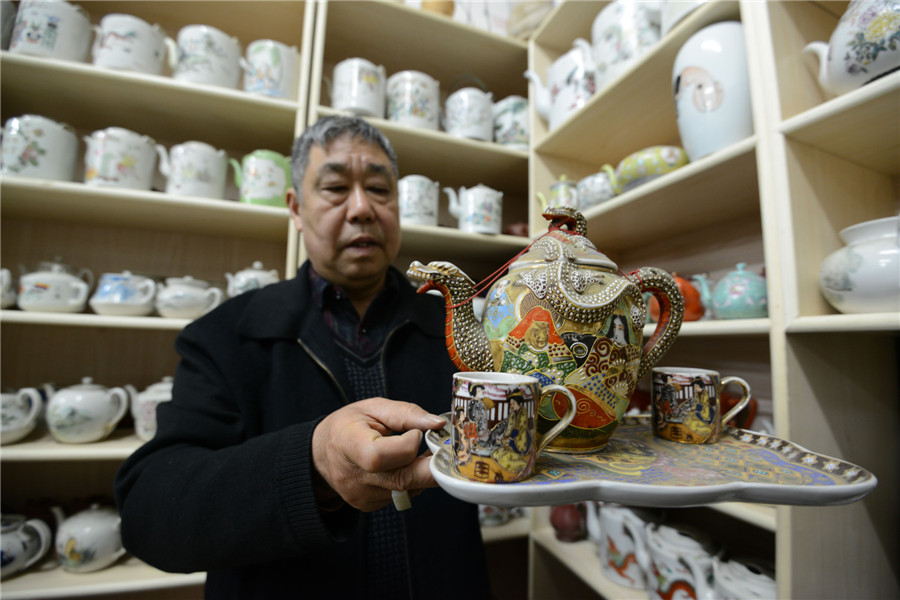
(48, 580)
(43, 447)
(92, 98)
(861, 126)
(76, 202)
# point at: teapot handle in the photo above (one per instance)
(37, 403)
(215, 298)
(44, 535)
(120, 394)
(671, 311)
(148, 286)
(80, 296)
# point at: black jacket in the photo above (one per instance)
(225, 485)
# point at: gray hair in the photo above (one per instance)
(328, 129)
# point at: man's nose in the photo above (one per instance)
(360, 208)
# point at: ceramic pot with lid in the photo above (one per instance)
(20, 413)
(89, 540)
(55, 287)
(186, 298)
(143, 407)
(741, 294)
(23, 542)
(250, 278)
(570, 84)
(86, 412)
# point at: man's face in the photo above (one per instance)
(348, 213)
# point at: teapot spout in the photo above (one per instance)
(454, 206)
(58, 514)
(703, 287)
(542, 94)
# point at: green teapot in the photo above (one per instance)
(263, 177)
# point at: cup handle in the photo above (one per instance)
(172, 52)
(149, 289)
(215, 298)
(745, 398)
(81, 293)
(98, 40)
(44, 535)
(564, 422)
(37, 403)
(120, 394)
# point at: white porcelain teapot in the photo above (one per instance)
(186, 298)
(861, 47)
(479, 209)
(89, 540)
(22, 543)
(570, 83)
(143, 407)
(55, 287)
(86, 412)
(250, 279)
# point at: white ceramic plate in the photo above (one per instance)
(639, 469)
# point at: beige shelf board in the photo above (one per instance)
(77, 202)
(723, 327)
(487, 56)
(442, 242)
(715, 189)
(96, 98)
(640, 96)
(41, 446)
(48, 580)
(761, 515)
(453, 161)
(582, 559)
(513, 529)
(90, 320)
(861, 126)
(888, 322)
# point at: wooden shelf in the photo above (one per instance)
(48, 580)
(90, 320)
(713, 328)
(79, 203)
(516, 528)
(41, 446)
(761, 515)
(871, 322)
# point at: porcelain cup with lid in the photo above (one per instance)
(23, 542)
(208, 56)
(263, 177)
(620, 35)
(35, 146)
(55, 287)
(511, 127)
(123, 294)
(479, 209)
(359, 87)
(7, 289)
(711, 87)
(862, 48)
(186, 298)
(194, 169)
(271, 69)
(129, 43)
(570, 84)
(468, 113)
(251, 278)
(19, 412)
(680, 560)
(89, 540)
(413, 99)
(86, 412)
(54, 29)
(143, 407)
(418, 197)
(118, 157)
(597, 188)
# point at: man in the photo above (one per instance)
(274, 463)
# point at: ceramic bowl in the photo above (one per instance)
(648, 164)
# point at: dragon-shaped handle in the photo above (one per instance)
(671, 312)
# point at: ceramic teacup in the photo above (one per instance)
(413, 99)
(494, 433)
(418, 198)
(55, 29)
(209, 56)
(263, 177)
(686, 404)
(469, 114)
(195, 169)
(118, 157)
(271, 69)
(359, 87)
(35, 146)
(128, 43)
(511, 126)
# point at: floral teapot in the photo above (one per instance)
(741, 294)
(564, 315)
(570, 84)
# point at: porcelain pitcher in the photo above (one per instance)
(564, 315)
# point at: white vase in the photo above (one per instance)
(864, 276)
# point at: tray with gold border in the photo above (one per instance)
(639, 469)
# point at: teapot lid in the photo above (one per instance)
(56, 265)
(568, 232)
(161, 386)
(256, 266)
(187, 280)
(87, 384)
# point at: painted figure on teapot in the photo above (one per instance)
(564, 315)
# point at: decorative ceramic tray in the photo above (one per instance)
(639, 469)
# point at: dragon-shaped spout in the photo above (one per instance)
(467, 343)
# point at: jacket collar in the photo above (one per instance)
(282, 310)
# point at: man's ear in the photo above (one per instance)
(293, 203)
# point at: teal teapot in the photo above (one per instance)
(741, 294)
(565, 315)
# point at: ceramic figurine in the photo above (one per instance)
(564, 315)
(739, 295)
(864, 276)
(865, 45)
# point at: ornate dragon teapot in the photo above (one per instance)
(564, 315)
